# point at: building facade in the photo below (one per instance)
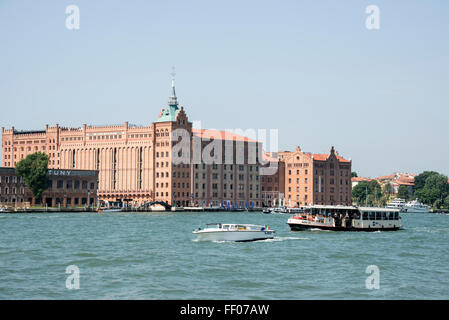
(141, 163)
(273, 186)
(309, 179)
(66, 188)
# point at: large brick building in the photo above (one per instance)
(139, 162)
(309, 178)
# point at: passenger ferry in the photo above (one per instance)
(346, 218)
(233, 232)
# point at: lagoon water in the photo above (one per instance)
(155, 256)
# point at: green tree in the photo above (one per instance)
(34, 169)
(446, 202)
(403, 192)
(387, 188)
(420, 180)
(436, 187)
(354, 174)
(367, 192)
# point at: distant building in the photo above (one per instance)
(395, 180)
(65, 188)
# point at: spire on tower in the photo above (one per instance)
(173, 101)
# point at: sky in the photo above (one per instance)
(310, 69)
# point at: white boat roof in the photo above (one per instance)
(371, 209)
(234, 224)
(319, 206)
(377, 209)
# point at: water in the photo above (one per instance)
(155, 256)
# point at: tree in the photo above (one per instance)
(446, 202)
(434, 190)
(354, 174)
(367, 192)
(387, 188)
(34, 170)
(420, 180)
(403, 192)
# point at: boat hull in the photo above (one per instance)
(303, 227)
(237, 236)
(414, 210)
(109, 210)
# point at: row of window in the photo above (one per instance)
(8, 179)
(241, 195)
(227, 167)
(6, 190)
(175, 174)
(179, 185)
(69, 184)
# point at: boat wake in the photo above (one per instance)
(278, 239)
(275, 239)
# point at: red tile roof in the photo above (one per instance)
(360, 179)
(323, 157)
(221, 135)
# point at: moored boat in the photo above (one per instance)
(415, 207)
(233, 232)
(346, 218)
(108, 210)
(266, 210)
(396, 204)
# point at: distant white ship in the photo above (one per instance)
(396, 204)
(415, 207)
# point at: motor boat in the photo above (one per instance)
(266, 210)
(233, 232)
(279, 210)
(416, 207)
(2, 209)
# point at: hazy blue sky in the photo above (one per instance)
(309, 68)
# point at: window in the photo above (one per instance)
(59, 184)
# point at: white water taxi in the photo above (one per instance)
(416, 207)
(346, 218)
(233, 232)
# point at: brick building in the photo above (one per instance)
(65, 187)
(310, 178)
(138, 162)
